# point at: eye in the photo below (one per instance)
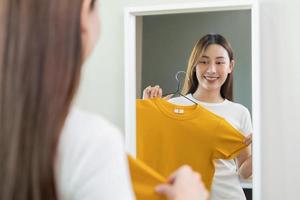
(220, 62)
(203, 62)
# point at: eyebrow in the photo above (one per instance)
(216, 57)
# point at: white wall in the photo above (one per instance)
(280, 62)
(102, 86)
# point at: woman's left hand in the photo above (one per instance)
(248, 139)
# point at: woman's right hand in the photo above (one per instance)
(184, 184)
(153, 92)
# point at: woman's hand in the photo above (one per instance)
(184, 184)
(154, 92)
(248, 139)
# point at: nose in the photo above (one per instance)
(211, 68)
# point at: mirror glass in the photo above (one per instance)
(165, 43)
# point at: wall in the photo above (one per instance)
(280, 67)
(102, 86)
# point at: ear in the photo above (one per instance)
(231, 66)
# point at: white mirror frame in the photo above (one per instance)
(131, 15)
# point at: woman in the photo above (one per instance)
(209, 82)
(49, 150)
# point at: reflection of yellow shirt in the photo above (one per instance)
(144, 180)
(170, 135)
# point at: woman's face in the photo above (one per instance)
(213, 68)
(90, 26)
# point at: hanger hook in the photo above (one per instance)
(179, 72)
(178, 86)
(178, 81)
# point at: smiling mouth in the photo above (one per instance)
(211, 78)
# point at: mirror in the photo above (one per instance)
(162, 45)
(167, 41)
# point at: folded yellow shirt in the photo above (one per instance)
(169, 136)
(144, 179)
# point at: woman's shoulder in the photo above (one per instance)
(86, 124)
(83, 129)
(91, 154)
(237, 106)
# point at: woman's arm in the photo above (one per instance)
(244, 160)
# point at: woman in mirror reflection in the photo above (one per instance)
(209, 82)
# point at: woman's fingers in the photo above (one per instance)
(164, 189)
(152, 92)
(156, 91)
(146, 94)
(160, 92)
(183, 184)
(248, 139)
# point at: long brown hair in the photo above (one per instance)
(191, 81)
(40, 65)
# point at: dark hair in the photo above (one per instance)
(191, 81)
(40, 65)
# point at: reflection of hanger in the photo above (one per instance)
(178, 87)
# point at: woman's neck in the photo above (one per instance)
(209, 97)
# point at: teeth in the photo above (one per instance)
(210, 78)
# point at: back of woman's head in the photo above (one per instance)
(191, 81)
(40, 64)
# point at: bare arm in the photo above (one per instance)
(244, 160)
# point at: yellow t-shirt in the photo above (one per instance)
(170, 135)
(144, 179)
